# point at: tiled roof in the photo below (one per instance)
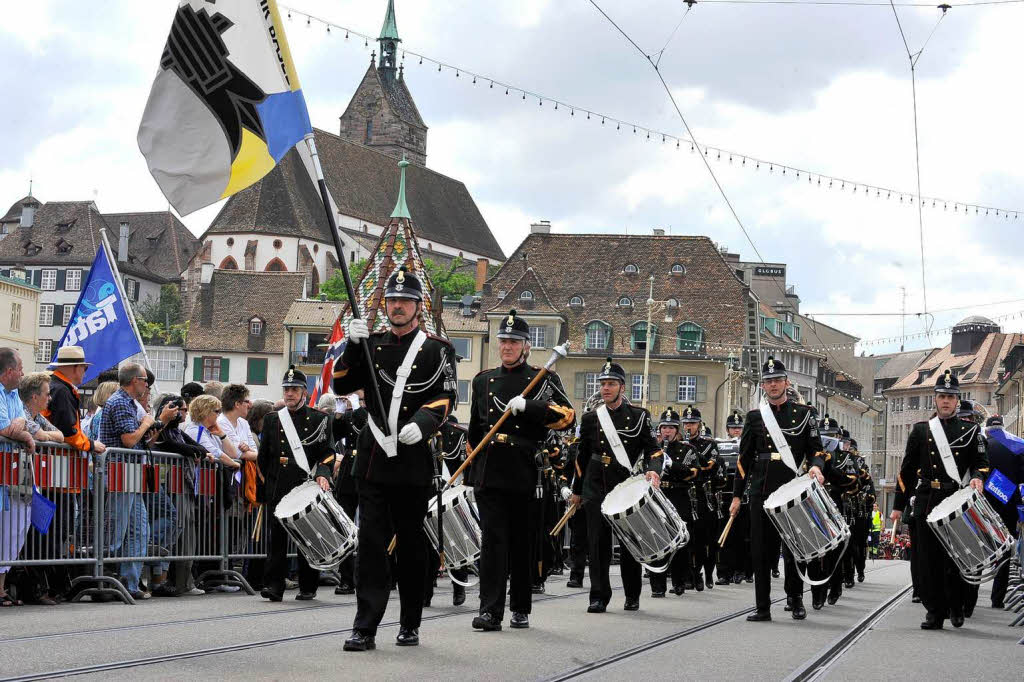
(364, 184)
(454, 321)
(221, 315)
(400, 99)
(528, 281)
(14, 212)
(591, 266)
(309, 312)
(157, 240)
(979, 367)
(897, 365)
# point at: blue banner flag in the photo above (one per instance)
(100, 323)
(1008, 440)
(1000, 486)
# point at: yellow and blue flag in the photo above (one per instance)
(226, 104)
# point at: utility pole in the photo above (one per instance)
(903, 319)
(647, 345)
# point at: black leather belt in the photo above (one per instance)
(603, 459)
(929, 484)
(674, 484)
(512, 441)
(769, 456)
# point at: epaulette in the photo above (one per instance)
(485, 370)
(442, 339)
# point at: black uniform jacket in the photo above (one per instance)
(922, 468)
(346, 428)
(681, 465)
(314, 430)
(430, 394)
(508, 460)
(602, 471)
(765, 475)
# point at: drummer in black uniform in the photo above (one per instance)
(603, 472)
(940, 585)
(394, 469)
(347, 425)
(762, 468)
(574, 469)
(704, 531)
(281, 472)
(505, 473)
(677, 477)
(451, 450)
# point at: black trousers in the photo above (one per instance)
(506, 550)
(384, 509)
(860, 531)
(277, 560)
(681, 568)
(940, 586)
(999, 584)
(431, 567)
(346, 569)
(599, 535)
(737, 544)
(578, 544)
(764, 548)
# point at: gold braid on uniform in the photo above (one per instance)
(567, 417)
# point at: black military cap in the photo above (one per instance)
(691, 415)
(293, 377)
(669, 418)
(846, 434)
(612, 370)
(853, 443)
(965, 410)
(772, 369)
(947, 383)
(514, 327)
(828, 426)
(404, 284)
(734, 421)
(994, 421)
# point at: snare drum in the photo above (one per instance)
(644, 521)
(807, 519)
(462, 535)
(318, 525)
(972, 533)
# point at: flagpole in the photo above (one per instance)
(339, 250)
(127, 304)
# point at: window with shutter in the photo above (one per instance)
(701, 389)
(212, 370)
(654, 387)
(225, 372)
(197, 368)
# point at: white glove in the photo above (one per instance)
(517, 404)
(566, 494)
(357, 330)
(410, 434)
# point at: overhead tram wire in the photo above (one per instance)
(853, 3)
(721, 154)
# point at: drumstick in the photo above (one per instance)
(558, 352)
(394, 541)
(565, 519)
(725, 531)
(258, 525)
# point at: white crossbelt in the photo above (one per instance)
(776, 433)
(390, 443)
(294, 442)
(612, 434)
(945, 452)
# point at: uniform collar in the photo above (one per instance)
(510, 370)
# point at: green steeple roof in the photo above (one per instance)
(401, 208)
(389, 31)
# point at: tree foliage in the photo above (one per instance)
(449, 280)
(161, 321)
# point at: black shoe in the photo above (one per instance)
(520, 621)
(486, 622)
(775, 573)
(737, 579)
(698, 585)
(860, 577)
(305, 596)
(678, 589)
(931, 622)
(999, 605)
(722, 581)
(426, 602)
(758, 616)
(270, 594)
(596, 607)
(833, 596)
(789, 604)
(750, 578)
(817, 602)
(968, 611)
(344, 589)
(657, 595)
(709, 583)
(360, 642)
(538, 589)
(848, 584)
(408, 637)
(956, 619)
(458, 595)
(799, 612)
(575, 582)
(631, 605)
(915, 599)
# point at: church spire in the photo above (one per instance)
(389, 40)
(401, 208)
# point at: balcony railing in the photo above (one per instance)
(313, 356)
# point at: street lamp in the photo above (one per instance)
(651, 303)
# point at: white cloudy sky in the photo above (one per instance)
(822, 88)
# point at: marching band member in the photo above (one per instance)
(416, 374)
(704, 535)
(940, 453)
(610, 459)
(679, 471)
(505, 473)
(763, 466)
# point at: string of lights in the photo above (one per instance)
(719, 154)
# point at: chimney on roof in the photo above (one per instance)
(122, 243)
(466, 305)
(28, 212)
(481, 273)
(659, 232)
(206, 273)
(541, 227)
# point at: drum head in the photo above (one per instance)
(449, 498)
(789, 492)
(298, 499)
(952, 506)
(625, 496)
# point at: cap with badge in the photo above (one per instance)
(669, 418)
(773, 369)
(828, 426)
(514, 327)
(947, 383)
(994, 420)
(966, 409)
(612, 370)
(404, 284)
(734, 421)
(691, 415)
(293, 377)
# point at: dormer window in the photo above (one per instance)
(576, 301)
(631, 269)
(678, 269)
(625, 302)
(255, 327)
(66, 225)
(526, 296)
(64, 246)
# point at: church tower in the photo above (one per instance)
(381, 113)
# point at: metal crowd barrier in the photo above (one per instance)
(120, 512)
